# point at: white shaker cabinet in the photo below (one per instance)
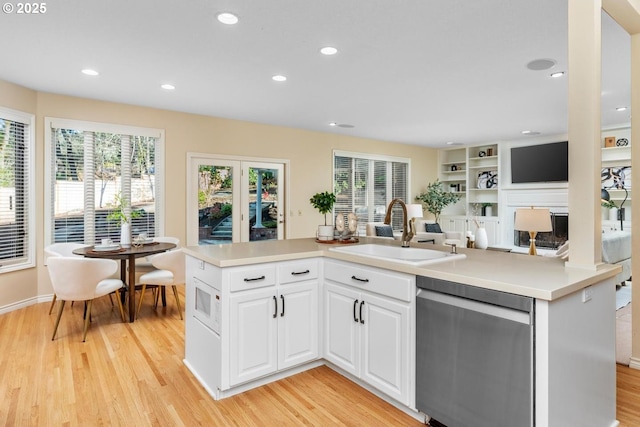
(275, 327)
(368, 333)
(246, 323)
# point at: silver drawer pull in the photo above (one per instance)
(254, 279)
(297, 273)
(359, 279)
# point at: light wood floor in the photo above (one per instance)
(132, 374)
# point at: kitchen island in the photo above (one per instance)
(257, 312)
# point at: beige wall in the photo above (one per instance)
(309, 153)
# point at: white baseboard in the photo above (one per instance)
(25, 303)
(634, 363)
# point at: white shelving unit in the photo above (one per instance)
(616, 157)
(459, 172)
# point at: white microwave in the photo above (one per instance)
(207, 305)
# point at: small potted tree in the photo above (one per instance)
(435, 199)
(323, 202)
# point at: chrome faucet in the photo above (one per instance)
(407, 233)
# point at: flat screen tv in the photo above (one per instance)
(540, 163)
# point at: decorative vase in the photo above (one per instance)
(125, 235)
(325, 232)
(482, 241)
(613, 214)
(488, 211)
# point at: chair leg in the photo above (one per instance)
(87, 321)
(55, 328)
(53, 302)
(111, 299)
(175, 292)
(158, 291)
(144, 288)
(120, 305)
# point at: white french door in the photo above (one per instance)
(234, 200)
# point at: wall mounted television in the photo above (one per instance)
(540, 163)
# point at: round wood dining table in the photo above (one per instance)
(130, 255)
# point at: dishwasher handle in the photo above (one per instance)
(468, 304)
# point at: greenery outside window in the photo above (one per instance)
(90, 167)
(17, 172)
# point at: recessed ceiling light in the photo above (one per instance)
(227, 18)
(90, 72)
(328, 50)
(558, 74)
(333, 124)
(621, 109)
(530, 132)
(541, 64)
(167, 86)
(279, 78)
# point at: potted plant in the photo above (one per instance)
(613, 209)
(435, 199)
(323, 202)
(119, 215)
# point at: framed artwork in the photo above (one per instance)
(488, 180)
(616, 178)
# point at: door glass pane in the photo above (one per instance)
(264, 217)
(215, 197)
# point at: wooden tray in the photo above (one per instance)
(339, 242)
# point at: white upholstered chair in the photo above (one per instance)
(170, 271)
(83, 279)
(60, 249)
(143, 265)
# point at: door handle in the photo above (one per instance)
(361, 319)
(282, 313)
(275, 305)
(355, 305)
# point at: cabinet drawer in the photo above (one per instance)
(384, 282)
(297, 271)
(252, 277)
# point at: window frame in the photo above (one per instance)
(30, 174)
(81, 125)
(389, 171)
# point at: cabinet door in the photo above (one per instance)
(385, 356)
(297, 324)
(342, 327)
(253, 339)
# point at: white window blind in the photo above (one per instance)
(365, 184)
(17, 238)
(91, 167)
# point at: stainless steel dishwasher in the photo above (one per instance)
(474, 355)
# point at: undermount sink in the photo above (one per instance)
(412, 256)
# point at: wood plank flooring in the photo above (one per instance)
(132, 374)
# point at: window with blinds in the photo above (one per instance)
(365, 184)
(16, 198)
(96, 170)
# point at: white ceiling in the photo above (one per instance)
(420, 72)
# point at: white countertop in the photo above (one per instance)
(534, 276)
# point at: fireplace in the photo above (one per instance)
(549, 239)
